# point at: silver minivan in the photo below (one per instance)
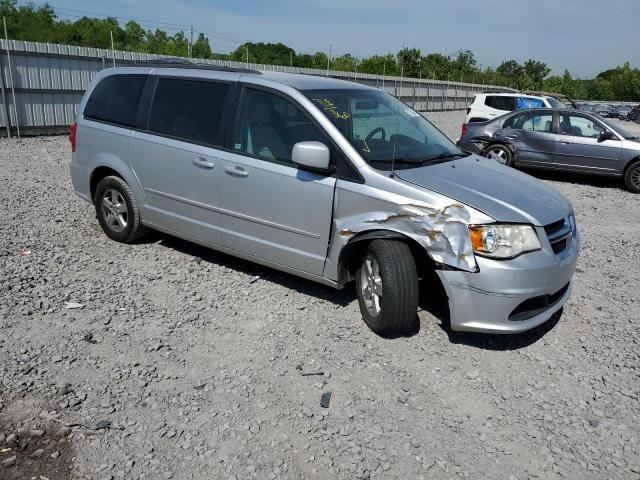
(328, 180)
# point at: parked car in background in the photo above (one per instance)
(558, 139)
(634, 114)
(586, 107)
(622, 112)
(605, 111)
(327, 180)
(486, 106)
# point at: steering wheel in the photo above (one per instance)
(377, 130)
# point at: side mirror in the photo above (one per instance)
(311, 155)
(605, 135)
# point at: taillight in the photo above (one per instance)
(464, 130)
(73, 132)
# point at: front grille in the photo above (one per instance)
(559, 234)
(536, 305)
(559, 246)
(554, 227)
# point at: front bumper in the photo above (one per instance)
(511, 296)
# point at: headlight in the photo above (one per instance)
(503, 241)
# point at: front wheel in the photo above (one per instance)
(387, 287)
(632, 177)
(500, 153)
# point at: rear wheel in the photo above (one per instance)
(632, 177)
(387, 287)
(500, 153)
(117, 210)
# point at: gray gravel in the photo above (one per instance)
(167, 360)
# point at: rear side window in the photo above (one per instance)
(115, 99)
(528, 102)
(189, 110)
(500, 102)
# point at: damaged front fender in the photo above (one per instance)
(440, 226)
(442, 232)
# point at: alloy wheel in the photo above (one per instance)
(114, 210)
(371, 285)
(497, 154)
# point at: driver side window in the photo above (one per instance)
(577, 126)
(269, 126)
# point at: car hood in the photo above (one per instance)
(499, 191)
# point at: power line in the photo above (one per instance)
(139, 23)
(87, 12)
(145, 22)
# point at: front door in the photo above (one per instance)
(177, 159)
(270, 209)
(580, 149)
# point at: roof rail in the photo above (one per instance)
(181, 63)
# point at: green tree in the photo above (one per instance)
(157, 41)
(436, 65)
(134, 36)
(409, 62)
(535, 72)
(463, 65)
(379, 64)
(319, 60)
(201, 47)
(344, 63)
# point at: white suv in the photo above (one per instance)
(486, 106)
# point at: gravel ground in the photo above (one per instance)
(167, 360)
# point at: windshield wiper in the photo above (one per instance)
(419, 161)
(405, 161)
(443, 157)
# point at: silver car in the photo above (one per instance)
(328, 180)
(558, 139)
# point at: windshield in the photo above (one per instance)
(614, 126)
(555, 103)
(383, 129)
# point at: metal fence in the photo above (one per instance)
(42, 84)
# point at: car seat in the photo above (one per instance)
(263, 139)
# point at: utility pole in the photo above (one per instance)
(113, 50)
(384, 72)
(7, 113)
(191, 41)
(246, 47)
(329, 58)
(291, 58)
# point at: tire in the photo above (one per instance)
(117, 210)
(500, 153)
(632, 177)
(395, 310)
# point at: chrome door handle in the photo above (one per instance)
(201, 162)
(566, 143)
(237, 171)
(510, 137)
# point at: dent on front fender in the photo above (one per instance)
(438, 224)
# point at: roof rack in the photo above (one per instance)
(182, 63)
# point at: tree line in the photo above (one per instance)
(40, 24)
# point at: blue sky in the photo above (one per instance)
(585, 36)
